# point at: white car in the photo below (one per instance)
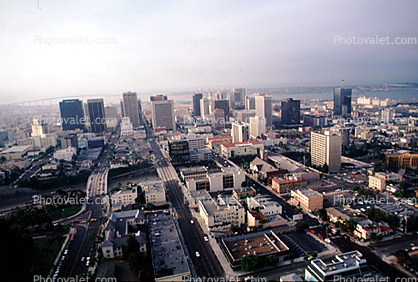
(66, 252)
(83, 258)
(191, 221)
(206, 238)
(197, 254)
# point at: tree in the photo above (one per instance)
(301, 226)
(323, 214)
(249, 262)
(3, 159)
(132, 246)
(272, 259)
(402, 255)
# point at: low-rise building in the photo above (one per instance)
(201, 155)
(366, 228)
(283, 186)
(346, 265)
(116, 233)
(248, 148)
(264, 205)
(402, 159)
(168, 256)
(65, 154)
(154, 192)
(124, 197)
(307, 199)
(15, 152)
(222, 213)
(377, 183)
(243, 192)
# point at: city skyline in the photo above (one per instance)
(165, 47)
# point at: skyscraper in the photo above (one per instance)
(326, 149)
(97, 115)
(263, 108)
(162, 111)
(196, 104)
(257, 126)
(72, 114)
(205, 108)
(290, 111)
(342, 102)
(250, 103)
(130, 108)
(239, 132)
(237, 98)
(223, 105)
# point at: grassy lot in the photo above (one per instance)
(45, 250)
(65, 212)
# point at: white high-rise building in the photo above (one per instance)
(263, 108)
(162, 113)
(239, 132)
(388, 115)
(126, 127)
(38, 129)
(205, 108)
(257, 126)
(326, 149)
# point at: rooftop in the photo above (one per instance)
(239, 144)
(342, 261)
(167, 252)
(16, 149)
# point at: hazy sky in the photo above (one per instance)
(111, 46)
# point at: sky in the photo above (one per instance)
(63, 48)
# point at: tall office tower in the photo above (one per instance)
(239, 132)
(122, 112)
(244, 115)
(218, 119)
(72, 114)
(263, 108)
(250, 103)
(158, 98)
(97, 115)
(205, 108)
(237, 98)
(342, 102)
(162, 111)
(290, 111)
(223, 105)
(257, 126)
(130, 108)
(196, 104)
(326, 149)
(38, 128)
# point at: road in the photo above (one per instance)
(207, 265)
(375, 262)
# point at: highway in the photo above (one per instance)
(207, 265)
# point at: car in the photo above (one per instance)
(83, 258)
(66, 252)
(206, 238)
(191, 221)
(88, 263)
(197, 254)
(63, 258)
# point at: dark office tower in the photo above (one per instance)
(290, 111)
(196, 104)
(122, 113)
(130, 108)
(222, 105)
(97, 115)
(237, 98)
(72, 114)
(342, 102)
(158, 98)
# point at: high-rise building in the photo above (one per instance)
(244, 115)
(196, 103)
(39, 128)
(250, 103)
(290, 111)
(387, 115)
(263, 108)
(72, 114)
(237, 98)
(130, 108)
(257, 126)
(342, 102)
(222, 105)
(162, 112)
(218, 119)
(205, 108)
(239, 132)
(326, 149)
(97, 115)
